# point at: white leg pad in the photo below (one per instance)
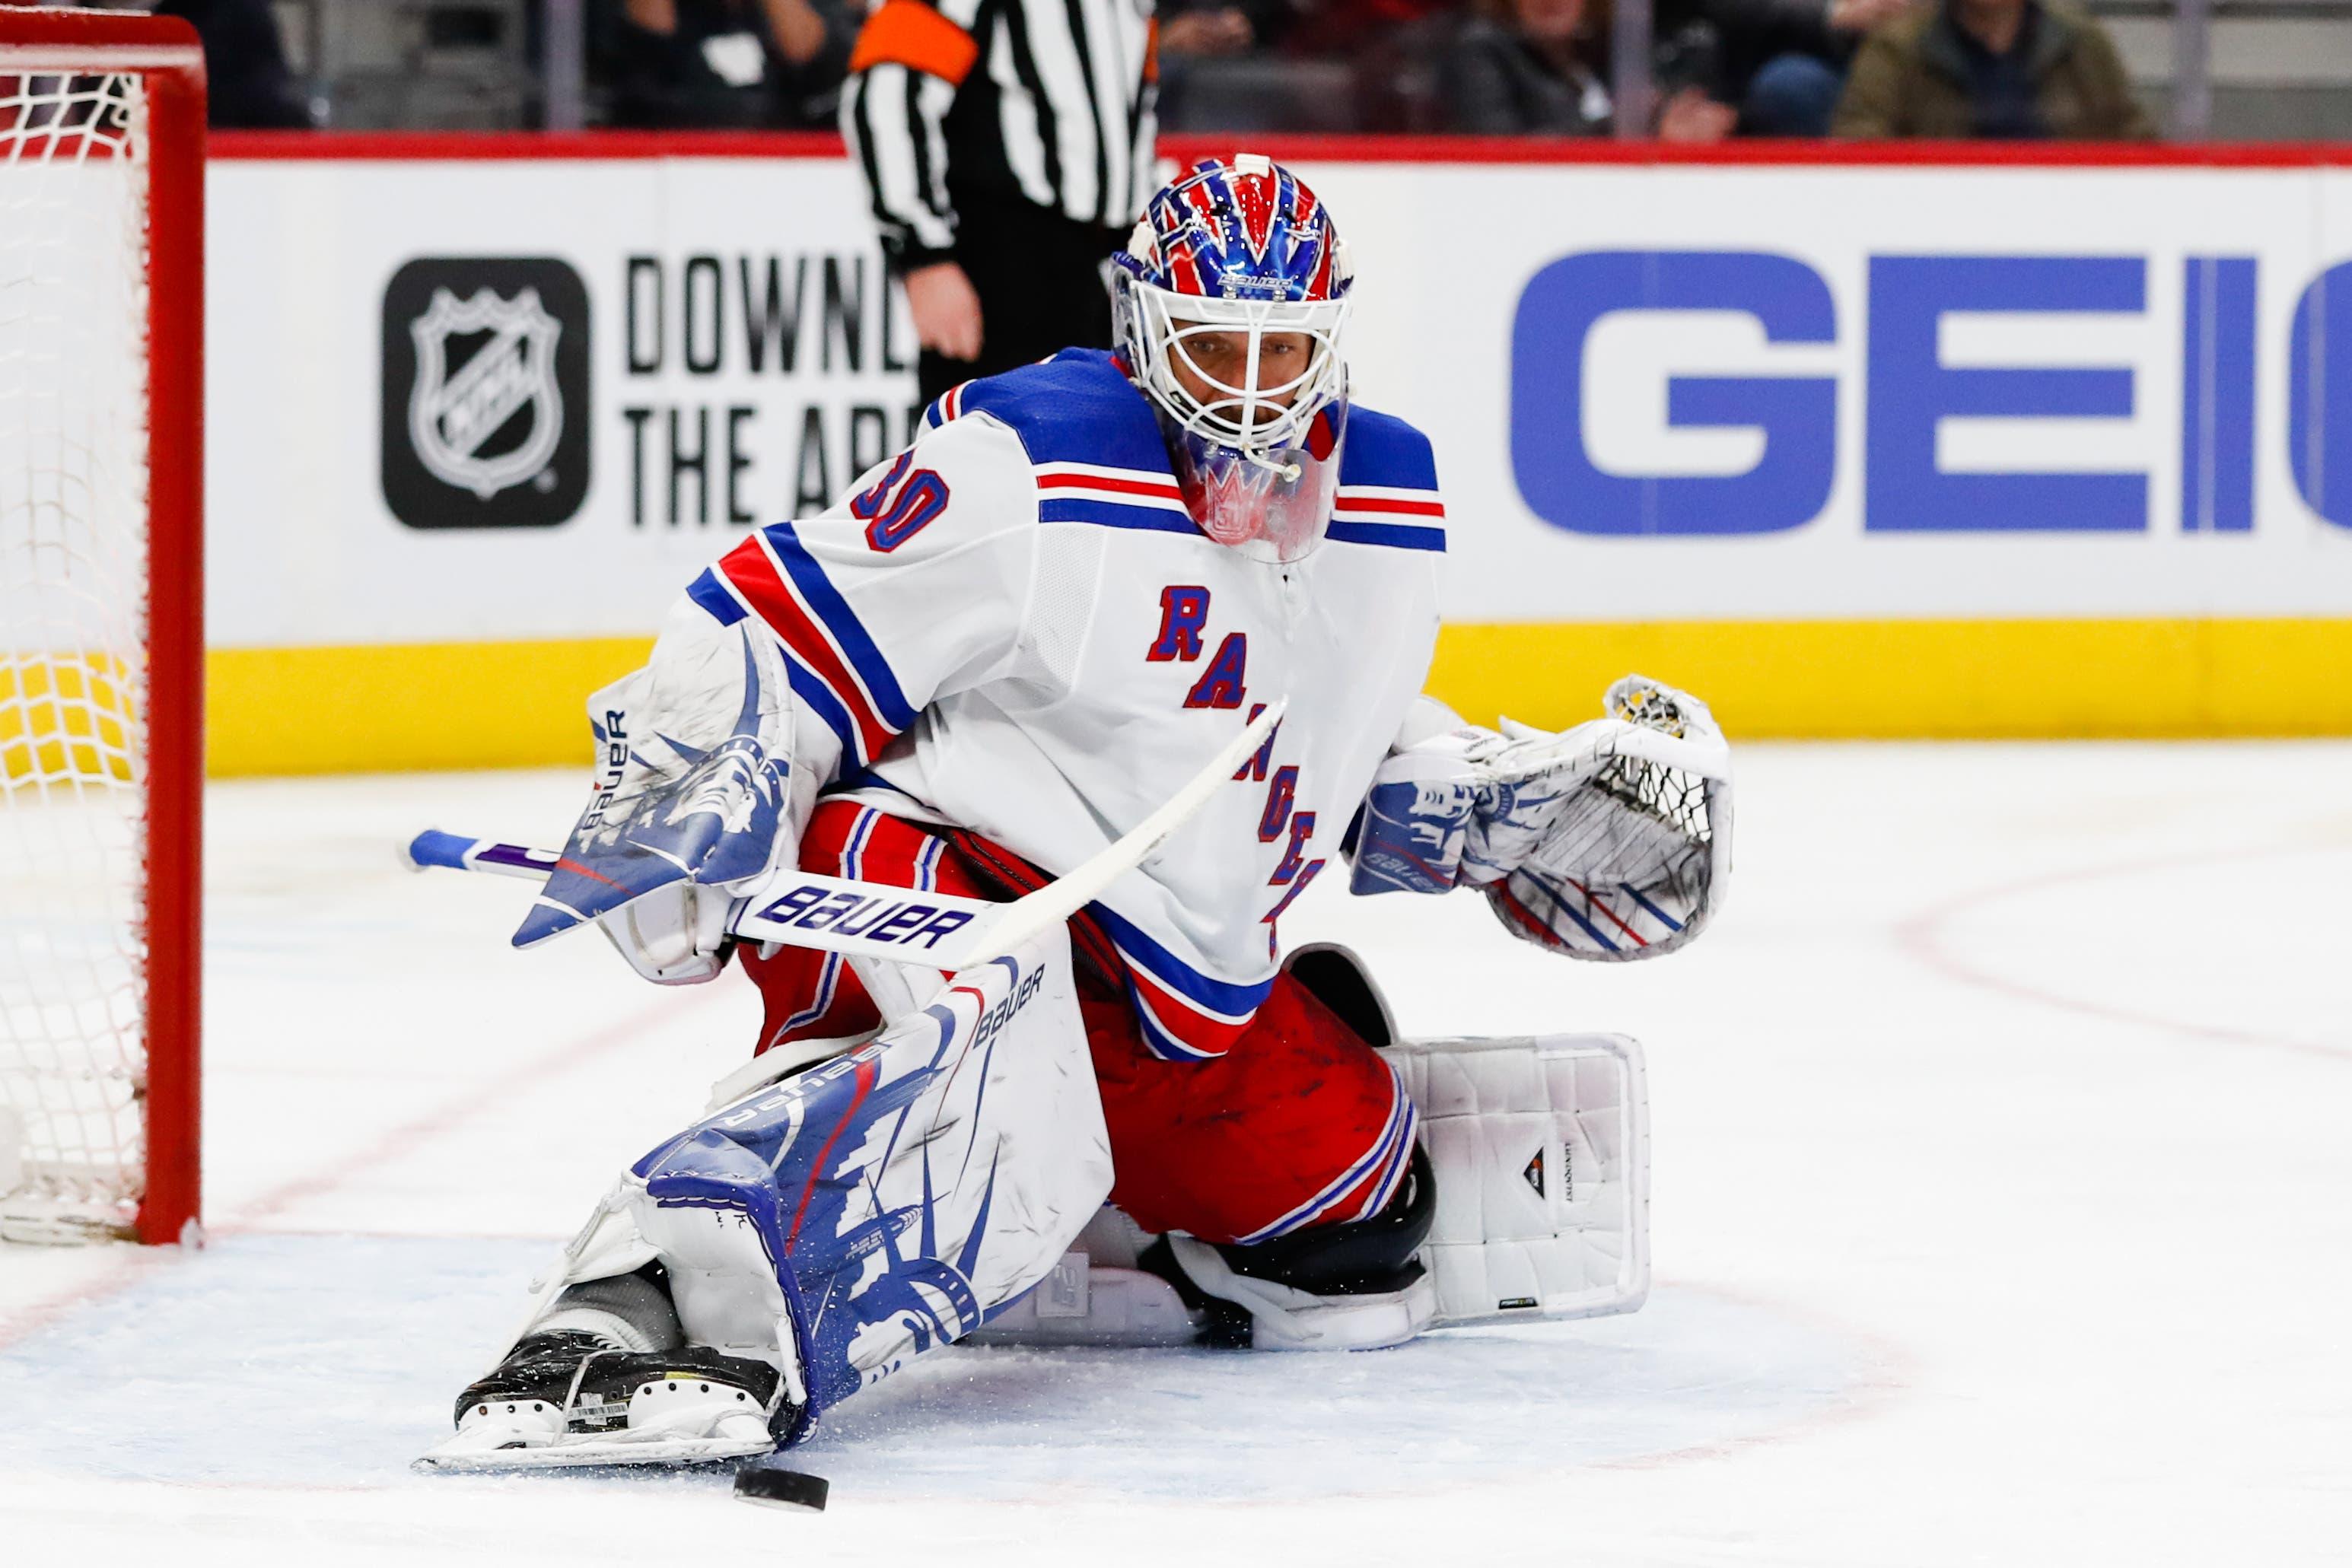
(1541, 1155)
(1540, 1148)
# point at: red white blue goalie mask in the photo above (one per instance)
(1235, 274)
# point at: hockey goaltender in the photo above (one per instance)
(1014, 643)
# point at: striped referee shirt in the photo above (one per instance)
(965, 101)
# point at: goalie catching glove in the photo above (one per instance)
(1611, 840)
(686, 814)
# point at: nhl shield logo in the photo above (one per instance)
(455, 411)
(486, 392)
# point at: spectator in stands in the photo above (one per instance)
(1785, 60)
(1218, 73)
(1537, 68)
(1390, 48)
(730, 63)
(1993, 69)
(1210, 29)
(1529, 67)
(247, 83)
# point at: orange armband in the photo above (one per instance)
(910, 33)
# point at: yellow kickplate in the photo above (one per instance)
(416, 705)
(524, 704)
(1923, 679)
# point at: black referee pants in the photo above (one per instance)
(1040, 282)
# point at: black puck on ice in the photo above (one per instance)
(780, 1487)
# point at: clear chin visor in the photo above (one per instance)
(1273, 508)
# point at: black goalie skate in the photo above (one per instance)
(573, 1397)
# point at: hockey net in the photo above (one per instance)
(100, 644)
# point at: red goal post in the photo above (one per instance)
(101, 623)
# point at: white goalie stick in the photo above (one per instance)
(873, 920)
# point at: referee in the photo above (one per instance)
(1007, 145)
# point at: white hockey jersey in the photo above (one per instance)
(1015, 628)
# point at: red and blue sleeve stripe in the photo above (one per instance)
(833, 664)
(714, 594)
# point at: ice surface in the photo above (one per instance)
(2003, 1212)
(1000, 1423)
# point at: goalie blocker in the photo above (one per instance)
(811, 1236)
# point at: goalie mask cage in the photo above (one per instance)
(101, 644)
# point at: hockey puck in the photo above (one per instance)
(781, 1489)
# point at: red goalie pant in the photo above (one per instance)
(1298, 1124)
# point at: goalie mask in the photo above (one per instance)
(1229, 303)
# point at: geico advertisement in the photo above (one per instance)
(474, 400)
(1862, 393)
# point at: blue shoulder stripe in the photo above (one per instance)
(1114, 514)
(1396, 535)
(1077, 407)
(840, 620)
(1385, 451)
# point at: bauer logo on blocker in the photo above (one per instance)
(485, 392)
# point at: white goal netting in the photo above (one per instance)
(73, 657)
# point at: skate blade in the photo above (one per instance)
(593, 1449)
